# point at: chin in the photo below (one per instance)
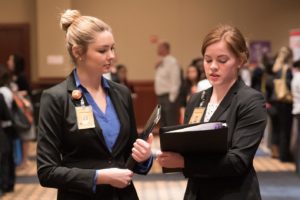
(106, 70)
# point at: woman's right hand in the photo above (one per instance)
(116, 177)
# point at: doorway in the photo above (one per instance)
(14, 38)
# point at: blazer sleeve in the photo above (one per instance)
(247, 133)
(51, 173)
(141, 168)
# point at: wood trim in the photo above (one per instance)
(44, 83)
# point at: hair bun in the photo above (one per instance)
(67, 18)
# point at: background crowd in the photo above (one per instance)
(173, 88)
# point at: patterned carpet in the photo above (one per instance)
(277, 182)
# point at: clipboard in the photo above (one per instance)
(207, 139)
(151, 123)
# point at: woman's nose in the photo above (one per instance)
(214, 66)
(111, 55)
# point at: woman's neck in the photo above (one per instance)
(89, 80)
(219, 92)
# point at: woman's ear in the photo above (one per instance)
(77, 52)
(243, 61)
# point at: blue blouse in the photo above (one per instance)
(108, 121)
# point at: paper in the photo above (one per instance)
(201, 127)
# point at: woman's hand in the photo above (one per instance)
(170, 160)
(141, 150)
(119, 178)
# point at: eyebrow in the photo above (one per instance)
(223, 55)
(106, 46)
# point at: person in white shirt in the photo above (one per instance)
(167, 85)
(295, 86)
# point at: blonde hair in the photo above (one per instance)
(284, 58)
(80, 30)
(233, 38)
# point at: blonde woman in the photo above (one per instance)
(87, 126)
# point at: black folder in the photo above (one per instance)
(151, 123)
(206, 139)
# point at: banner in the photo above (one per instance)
(258, 49)
(295, 43)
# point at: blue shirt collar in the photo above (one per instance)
(104, 81)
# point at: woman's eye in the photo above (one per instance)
(207, 61)
(102, 51)
(222, 61)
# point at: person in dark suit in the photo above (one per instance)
(87, 127)
(230, 176)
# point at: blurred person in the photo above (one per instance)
(198, 62)
(267, 88)
(257, 77)
(122, 77)
(245, 74)
(21, 87)
(167, 84)
(112, 74)
(230, 176)
(295, 86)
(281, 137)
(203, 83)
(16, 65)
(7, 172)
(87, 129)
(189, 87)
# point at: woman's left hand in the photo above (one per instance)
(141, 150)
(170, 160)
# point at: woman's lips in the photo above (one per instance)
(214, 76)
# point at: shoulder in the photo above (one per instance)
(118, 87)
(120, 90)
(249, 101)
(170, 59)
(57, 91)
(7, 94)
(195, 97)
(246, 93)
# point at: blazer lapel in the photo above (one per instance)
(225, 102)
(71, 85)
(118, 107)
(204, 97)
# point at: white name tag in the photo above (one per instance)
(85, 118)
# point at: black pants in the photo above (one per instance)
(281, 129)
(297, 158)
(169, 111)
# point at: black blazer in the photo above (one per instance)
(231, 176)
(67, 158)
(5, 115)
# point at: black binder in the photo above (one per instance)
(194, 139)
(151, 123)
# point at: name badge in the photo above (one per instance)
(85, 118)
(197, 115)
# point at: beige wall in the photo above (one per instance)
(22, 11)
(50, 39)
(182, 22)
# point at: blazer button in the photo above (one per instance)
(110, 162)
